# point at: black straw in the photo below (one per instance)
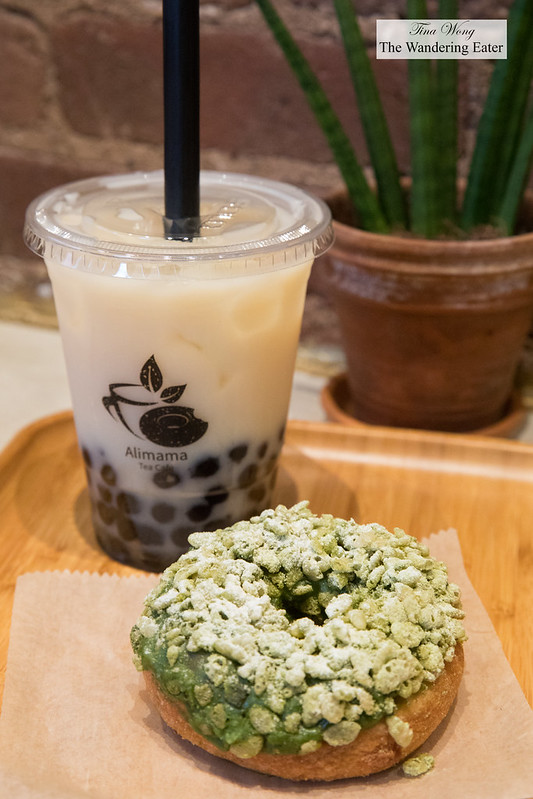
(181, 73)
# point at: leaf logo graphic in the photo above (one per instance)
(173, 393)
(151, 377)
(165, 423)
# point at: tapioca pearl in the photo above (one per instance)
(180, 540)
(112, 545)
(271, 463)
(216, 495)
(253, 510)
(199, 512)
(236, 454)
(107, 513)
(104, 493)
(248, 476)
(257, 493)
(86, 455)
(128, 503)
(206, 467)
(163, 513)
(154, 562)
(166, 478)
(262, 449)
(217, 524)
(148, 536)
(126, 528)
(107, 473)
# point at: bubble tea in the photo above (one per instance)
(180, 354)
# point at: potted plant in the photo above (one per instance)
(433, 286)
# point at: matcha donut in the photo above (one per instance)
(304, 646)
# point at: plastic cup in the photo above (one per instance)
(180, 354)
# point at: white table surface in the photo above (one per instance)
(33, 381)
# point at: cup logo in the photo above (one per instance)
(151, 412)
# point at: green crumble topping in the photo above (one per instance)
(416, 766)
(292, 629)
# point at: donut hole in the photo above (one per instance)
(300, 610)
(311, 605)
(302, 594)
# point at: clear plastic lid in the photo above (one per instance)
(114, 225)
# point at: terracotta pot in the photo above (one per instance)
(432, 330)
(337, 401)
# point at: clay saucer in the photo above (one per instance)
(336, 401)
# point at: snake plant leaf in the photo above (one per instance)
(515, 113)
(373, 119)
(424, 188)
(501, 121)
(505, 217)
(446, 124)
(363, 198)
(503, 149)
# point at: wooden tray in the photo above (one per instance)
(420, 481)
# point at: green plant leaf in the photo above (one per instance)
(373, 119)
(505, 215)
(503, 150)
(446, 123)
(424, 189)
(501, 121)
(363, 198)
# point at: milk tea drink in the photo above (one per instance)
(180, 354)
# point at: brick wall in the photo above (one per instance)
(80, 94)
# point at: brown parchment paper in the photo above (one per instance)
(76, 721)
